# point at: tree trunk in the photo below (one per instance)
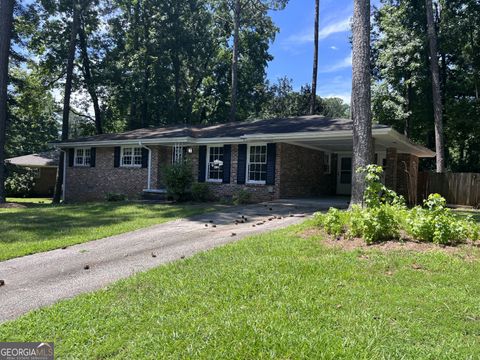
(89, 81)
(66, 100)
(6, 24)
(437, 98)
(236, 34)
(313, 98)
(361, 97)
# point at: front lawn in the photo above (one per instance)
(42, 227)
(279, 295)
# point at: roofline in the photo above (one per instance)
(418, 150)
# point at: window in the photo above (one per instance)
(327, 163)
(215, 163)
(179, 153)
(82, 157)
(257, 164)
(131, 157)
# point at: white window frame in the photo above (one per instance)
(84, 157)
(256, 182)
(327, 163)
(132, 156)
(208, 179)
(178, 151)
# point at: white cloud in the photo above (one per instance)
(333, 47)
(342, 64)
(335, 27)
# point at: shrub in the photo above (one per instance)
(385, 215)
(20, 182)
(434, 222)
(201, 192)
(178, 180)
(115, 197)
(242, 197)
(334, 222)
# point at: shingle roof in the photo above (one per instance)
(297, 124)
(45, 159)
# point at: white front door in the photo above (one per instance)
(344, 175)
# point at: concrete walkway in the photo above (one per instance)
(42, 279)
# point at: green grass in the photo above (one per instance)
(276, 295)
(42, 227)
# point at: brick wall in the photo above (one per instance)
(299, 173)
(94, 183)
(258, 192)
(302, 173)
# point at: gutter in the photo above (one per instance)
(149, 172)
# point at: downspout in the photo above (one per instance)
(64, 176)
(149, 172)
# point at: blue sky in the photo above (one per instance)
(293, 46)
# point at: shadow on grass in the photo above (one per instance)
(48, 222)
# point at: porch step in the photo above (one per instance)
(154, 194)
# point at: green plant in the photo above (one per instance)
(178, 180)
(242, 197)
(434, 222)
(20, 181)
(333, 221)
(115, 197)
(201, 192)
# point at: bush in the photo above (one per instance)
(436, 223)
(242, 197)
(20, 182)
(201, 192)
(178, 180)
(115, 197)
(386, 215)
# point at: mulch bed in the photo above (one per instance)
(405, 244)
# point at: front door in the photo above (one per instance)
(344, 175)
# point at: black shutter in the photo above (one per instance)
(227, 159)
(271, 159)
(116, 157)
(242, 163)
(144, 158)
(71, 157)
(93, 157)
(202, 163)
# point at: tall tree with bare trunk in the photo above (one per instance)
(436, 89)
(66, 100)
(361, 97)
(6, 24)
(313, 98)
(237, 8)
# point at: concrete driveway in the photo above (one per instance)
(42, 279)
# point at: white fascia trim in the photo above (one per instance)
(417, 150)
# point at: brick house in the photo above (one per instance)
(303, 156)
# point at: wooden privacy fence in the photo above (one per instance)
(456, 188)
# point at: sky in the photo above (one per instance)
(293, 46)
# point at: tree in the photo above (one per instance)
(6, 24)
(86, 68)
(437, 97)
(243, 11)
(66, 99)
(361, 97)
(315, 58)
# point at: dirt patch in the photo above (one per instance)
(468, 251)
(12, 206)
